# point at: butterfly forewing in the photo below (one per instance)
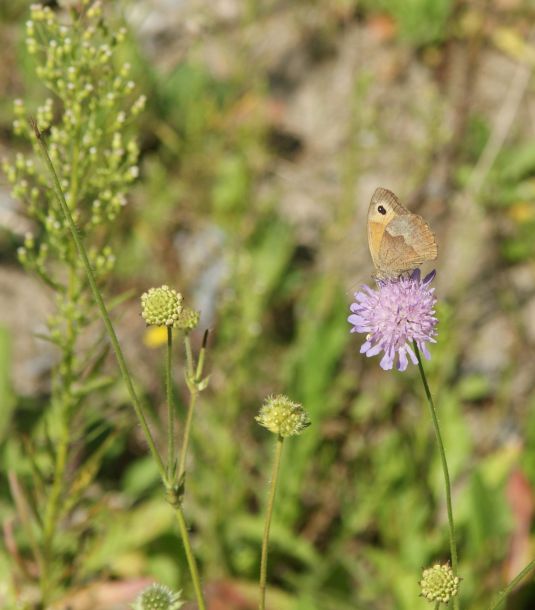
(387, 198)
(399, 241)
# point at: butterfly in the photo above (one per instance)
(399, 241)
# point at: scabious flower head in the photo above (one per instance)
(282, 416)
(158, 597)
(161, 306)
(188, 319)
(439, 584)
(394, 315)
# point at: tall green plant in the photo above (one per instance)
(86, 118)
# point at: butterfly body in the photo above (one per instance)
(399, 241)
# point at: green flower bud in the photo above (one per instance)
(282, 416)
(158, 597)
(439, 584)
(161, 306)
(188, 319)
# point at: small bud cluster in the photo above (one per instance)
(282, 416)
(439, 584)
(161, 306)
(158, 597)
(85, 125)
(188, 319)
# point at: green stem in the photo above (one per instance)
(170, 406)
(267, 524)
(189, 357)
(202, 354)
(55, 494)
(63, 392)
(187, 431)
(503, 594)
(51, 517)
(190, 558)
(136, 403)
(447, 482)
(193, 376)
(193, 393)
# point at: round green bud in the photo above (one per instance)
(158, 597)
(161, 306)
(188, 319)
(282, 416)
(439, 584)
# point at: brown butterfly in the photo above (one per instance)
(399, 240)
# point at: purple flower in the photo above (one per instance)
(394, 315)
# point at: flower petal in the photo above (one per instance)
(374, 350)
(429, 278)
(365, 347)
(387, 362)
(403, 362)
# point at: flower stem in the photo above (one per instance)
(267, 525)
(193, 378)
(136, 403)
(447, 482)
(187, 430)
(170, 406)
(192, 564)
(202, 354)
(189, 358)
(503, 594)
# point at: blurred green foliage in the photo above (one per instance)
(420, 22)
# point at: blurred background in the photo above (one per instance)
(268, 126)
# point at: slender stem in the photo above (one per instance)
(190, 558)
(187, 430)
(437, 606)
(447, 483)
(189, 356)
(267, 524)
(136, 403)
(170, 406)
(503, 594)
(193, 393)
(202, 354)
(62, 390)
(193, 376)
(55, 493)
(51, 517)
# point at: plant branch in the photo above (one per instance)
(503, 594)
(136, 403)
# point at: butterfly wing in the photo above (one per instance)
(407, 242)
(386, 198)
(378, 221)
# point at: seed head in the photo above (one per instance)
(282, 416)
(188, 319)
(439, 584)
(158, 597)
(161, 306)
